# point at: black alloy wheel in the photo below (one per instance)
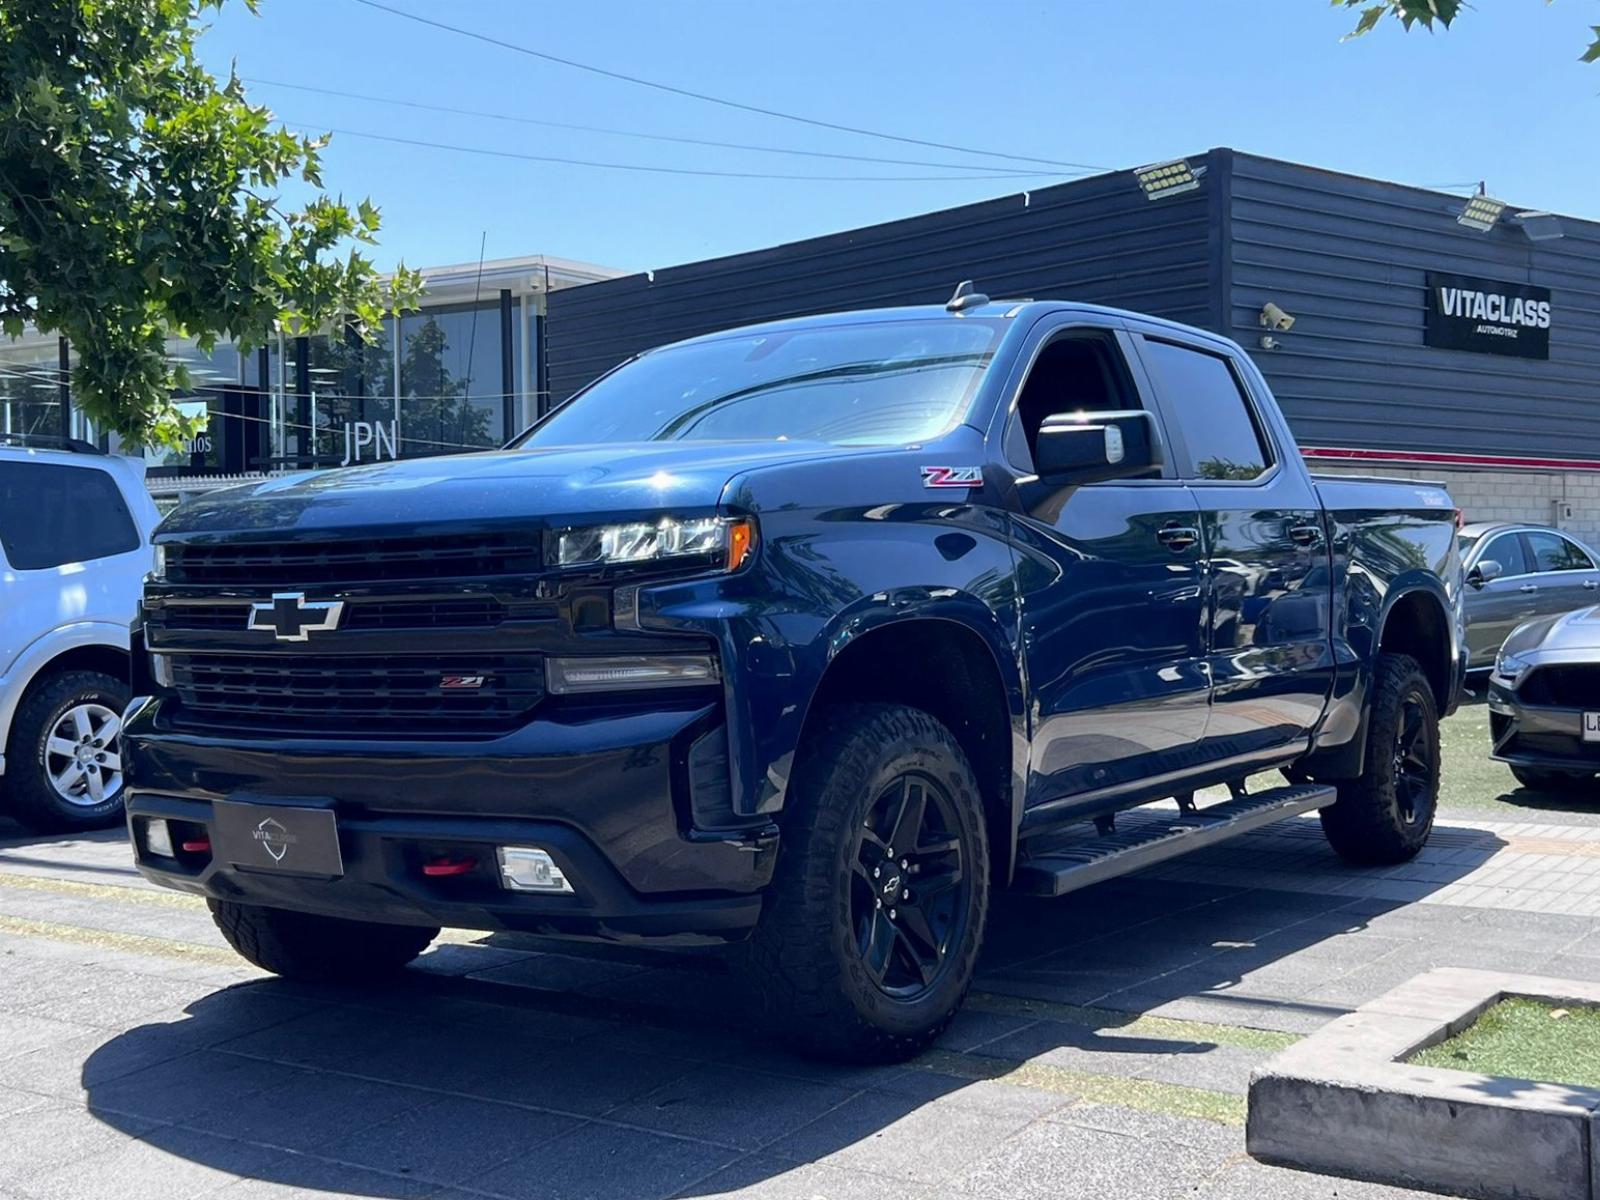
(871, 928)
(909, 895)
(1384, 815)
(1414, 765)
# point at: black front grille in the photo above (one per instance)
(357, 695)
(1576, 686)
(349, 562)
(463, 613)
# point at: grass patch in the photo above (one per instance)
(1526, 1039)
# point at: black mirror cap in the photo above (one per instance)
(1090, 447)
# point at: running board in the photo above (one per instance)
(1145, 838)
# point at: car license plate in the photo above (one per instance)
(280, 838)
(1591, 726)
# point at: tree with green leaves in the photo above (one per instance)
(139, 201)
(1429, 14)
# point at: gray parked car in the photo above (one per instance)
(1516, 573)
(1544, 702)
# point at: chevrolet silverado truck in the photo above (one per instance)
(805, 638)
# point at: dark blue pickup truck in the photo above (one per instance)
(804, 638)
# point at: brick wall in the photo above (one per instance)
(1506, 495)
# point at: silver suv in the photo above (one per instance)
(74, 548)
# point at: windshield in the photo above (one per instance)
(1466, 541)
(852, 385)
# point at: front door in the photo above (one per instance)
(1111, 582)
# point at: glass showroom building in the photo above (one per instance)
(462, 372)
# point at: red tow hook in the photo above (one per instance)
(197, 846)
(439, 867)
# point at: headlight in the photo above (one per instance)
(158, 566)
(1511, 667)
(722, 541)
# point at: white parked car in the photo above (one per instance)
(74, 549)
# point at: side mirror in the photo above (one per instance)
(1089, 447)
(1487, 571)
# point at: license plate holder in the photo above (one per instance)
(278, 839)
(1591, 726)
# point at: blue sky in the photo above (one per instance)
(1113, 83)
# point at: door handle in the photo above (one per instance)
(1529, 587)
(1305, 535)
(1177, 538)
(1591, 584)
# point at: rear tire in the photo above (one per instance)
(65, 773)
(1544, 779)
(315, 948)
(1385, 816)
(872, 928)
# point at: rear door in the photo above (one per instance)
(1563, 571)
(1269, 590)
(1500, 605)
(1111, 577)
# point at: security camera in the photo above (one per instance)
(1275, 318)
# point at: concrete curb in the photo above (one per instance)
(1342, 1102)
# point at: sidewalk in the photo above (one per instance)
(1105, 1051)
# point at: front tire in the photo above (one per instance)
(1385, 816)
(876, 914)
(66, 772)
(1544, 779)
(315, 948)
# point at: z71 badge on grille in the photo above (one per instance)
(952, 476)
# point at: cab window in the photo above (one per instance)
(1202, 392)
(1080, 371)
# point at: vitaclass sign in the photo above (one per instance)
(1487, 316)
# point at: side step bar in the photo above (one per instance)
(1149, 838)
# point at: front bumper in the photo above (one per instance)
(605, 793)
(1528, 735)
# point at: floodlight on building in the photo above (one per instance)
(1538, 226)
(1160, 180)
(1481, 213)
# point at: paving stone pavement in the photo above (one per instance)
(1104, 1053)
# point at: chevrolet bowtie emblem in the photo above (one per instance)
(290, 617)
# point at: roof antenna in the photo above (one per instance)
(965, 298)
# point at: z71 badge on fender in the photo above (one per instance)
(952, 476)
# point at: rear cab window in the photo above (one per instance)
(1221, 432)
(52, 515)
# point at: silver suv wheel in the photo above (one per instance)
(82, 756)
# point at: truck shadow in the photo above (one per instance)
(508, 1065)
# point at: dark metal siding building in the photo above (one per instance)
(1347, 256)
(1350, 258)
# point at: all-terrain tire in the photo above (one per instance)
(315, 948)
(805, 962)
(1373, 823)
(1544, 779)
(31, 797)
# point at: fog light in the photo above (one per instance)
(158, 838)
(530, 869)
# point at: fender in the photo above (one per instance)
(1341, 740)
(44, 650)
